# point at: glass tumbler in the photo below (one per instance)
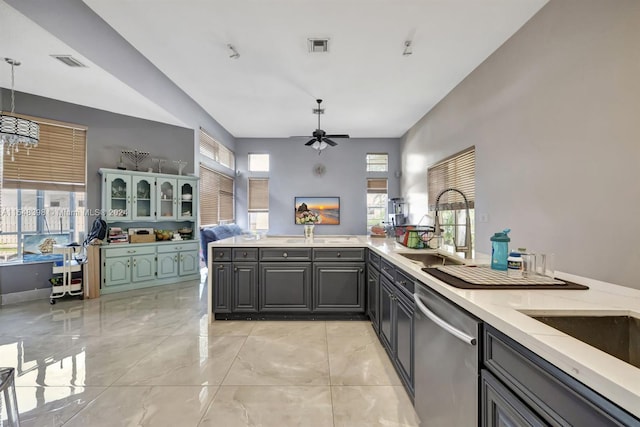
(545, 265)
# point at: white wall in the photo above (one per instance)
(555, 117)
(291, 174)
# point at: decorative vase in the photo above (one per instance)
(308, 231)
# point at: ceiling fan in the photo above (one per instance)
(320, 140)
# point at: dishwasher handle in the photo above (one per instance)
(467, 339)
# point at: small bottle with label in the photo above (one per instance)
(514, 265)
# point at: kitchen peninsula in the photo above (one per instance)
(504, 313)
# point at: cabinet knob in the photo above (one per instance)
(235, 268)
(220, 254)
(221, 267)
(338, 254)
(361, 271)
(284, 255)
(244, 254)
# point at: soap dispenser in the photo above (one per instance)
(500, 250)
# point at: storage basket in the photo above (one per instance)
(142, 238)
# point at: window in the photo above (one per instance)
(376, 201)
(258, 203)
(258, 163)
(212, 149)
(43, 194)
(216, 197)
(377, 162)
(457, 171)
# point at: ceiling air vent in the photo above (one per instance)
(318, 45)
(69, 60)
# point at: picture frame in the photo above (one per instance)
(317, 210)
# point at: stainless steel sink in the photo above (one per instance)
(430, 259)
(617, 335)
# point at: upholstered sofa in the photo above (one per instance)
(211, 233)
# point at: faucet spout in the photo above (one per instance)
(467, 249)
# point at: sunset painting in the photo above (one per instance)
(317, 210)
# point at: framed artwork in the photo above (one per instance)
(317, 210)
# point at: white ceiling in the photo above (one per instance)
(370, 89)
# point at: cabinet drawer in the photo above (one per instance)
(374, 259)
(177, 247)
(221, 254)
(245, 254)
(129, 251)
(285, 254)
(553, 394)
(388, 269)
(405, 283)
(338, 254)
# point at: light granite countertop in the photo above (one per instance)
(505, 310)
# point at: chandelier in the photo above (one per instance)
(15, 131)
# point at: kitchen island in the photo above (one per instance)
(508, 311)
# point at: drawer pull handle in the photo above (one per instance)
(284, 255)
(221, 267)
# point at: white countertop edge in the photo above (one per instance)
(504, 310)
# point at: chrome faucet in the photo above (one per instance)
(467, 229)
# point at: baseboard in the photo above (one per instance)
(16, 297)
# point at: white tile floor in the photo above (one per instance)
(149, 358)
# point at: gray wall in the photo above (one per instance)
(553, 114)
(291, 174)
(107, 136)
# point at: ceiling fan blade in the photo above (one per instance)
(330, 142)
(311, 141)
(342, 135)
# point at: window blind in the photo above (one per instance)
(57, 163)
(377, 162)
(258, 195)
(457, 171)
(216, 197)
(215, 151)
(377, 186)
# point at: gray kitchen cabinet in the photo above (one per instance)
(549, 393)
(339, 280)
(404, 339)
(285, 287)
(245, 287)
(221, 277)
(500, 407)
(339, 287)
(373, 295)
(396, 331)
(387, 308)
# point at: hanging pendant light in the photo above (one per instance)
(15, 131)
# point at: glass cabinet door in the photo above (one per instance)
(167, 198)
(118, 197)
(143, 206)
(187, 200)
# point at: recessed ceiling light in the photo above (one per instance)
(69, 60)
(318, 45)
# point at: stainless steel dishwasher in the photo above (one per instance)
(446, 362)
